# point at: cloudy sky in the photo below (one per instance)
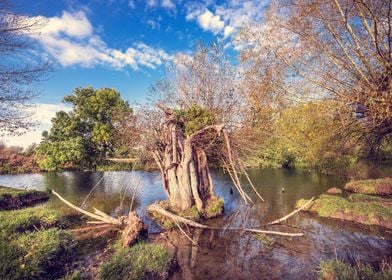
(123, 44)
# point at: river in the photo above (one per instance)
(225, 254)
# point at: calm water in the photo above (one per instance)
(228, 254)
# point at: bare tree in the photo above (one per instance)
(200, 102)
(17, 70)
(340, 50)
(205, 78)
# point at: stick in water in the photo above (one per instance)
(291, 214)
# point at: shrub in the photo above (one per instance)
(13, 160)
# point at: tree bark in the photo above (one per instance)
(183, 165)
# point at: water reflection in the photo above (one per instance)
(228, 254)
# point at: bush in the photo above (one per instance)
(13, 160)
(142, 261)
(304, 136)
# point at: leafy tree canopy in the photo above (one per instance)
(84, 136)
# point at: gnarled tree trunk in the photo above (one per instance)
(183, 165)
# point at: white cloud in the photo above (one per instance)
(42, 114)
(228, 31)
(74, 25)
(208, 21)
(152, 3)
(70, 39)
(168, 4)
(153, 24)
(226, 19)
(131, 4)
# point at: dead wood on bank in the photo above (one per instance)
(132, 226)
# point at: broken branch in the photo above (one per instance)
(291, 214)
(104, 218)
(176, 219)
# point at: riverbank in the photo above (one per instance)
(370, 203)
(41, 243)
(11, 198)
(219, 253)
(6, 169)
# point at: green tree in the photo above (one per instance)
(305, 136)
(86, 135)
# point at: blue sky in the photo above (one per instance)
(123, 44)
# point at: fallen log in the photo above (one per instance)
(103, 218)
(132, 226)
(278, 221)
(176, 219)
(133, 231)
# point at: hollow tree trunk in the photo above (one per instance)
(183, 166)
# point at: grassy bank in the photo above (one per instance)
(11, 198)
(142, 261)
(32, 244)
(337, 270)
(367, 213)
(381, 186)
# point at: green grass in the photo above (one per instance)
(28, 219)
(74, 275)
(11, 198)
(191, 214)
(142, 261)
(337, 270)
(214, 208)
(376, 186)
(34, 255)
(30, 245)
(368, 213)
(358, 197)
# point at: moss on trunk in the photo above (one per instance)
(214, 208)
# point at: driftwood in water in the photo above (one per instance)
(98, 215)
(178, 219)
(291, 214)
(132, 226)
